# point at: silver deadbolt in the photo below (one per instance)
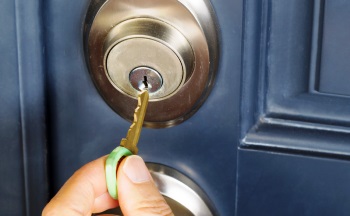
(173, 44)
(145, 42)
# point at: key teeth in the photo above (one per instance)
(123, 142)
(139, 101)
(134, 131)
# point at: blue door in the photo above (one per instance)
(272, 138)
(293, 155)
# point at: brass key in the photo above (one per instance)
(132, 138)
(127, 145)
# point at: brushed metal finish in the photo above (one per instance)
(192, 20)
(150, 43)
(126, 56)
(181, 189)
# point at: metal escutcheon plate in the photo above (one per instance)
(177, 39)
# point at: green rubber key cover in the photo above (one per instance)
(111, 169)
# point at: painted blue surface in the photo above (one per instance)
(274, 184)
(266, 141)
(23, 174)
(289, 128)
(335, 64)
(11, 178)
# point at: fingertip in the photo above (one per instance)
(136, 170)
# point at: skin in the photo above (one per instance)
(86, 192)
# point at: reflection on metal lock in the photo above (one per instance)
(149, 43)
(170, 45)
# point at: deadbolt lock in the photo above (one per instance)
(169, 45)
(147, 43)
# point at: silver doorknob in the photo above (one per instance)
(171, 43)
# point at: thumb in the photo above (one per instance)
(137, 192)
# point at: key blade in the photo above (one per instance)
(132, 138)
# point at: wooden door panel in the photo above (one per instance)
(274, 184)
(295, 109)
(284, 66)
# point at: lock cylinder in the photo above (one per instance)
(147, 43)
(142, 78)
(169, 47)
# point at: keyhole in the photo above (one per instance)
(145, 82)
(142, 78)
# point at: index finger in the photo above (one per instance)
(84, 193)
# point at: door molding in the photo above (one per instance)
(282, 107)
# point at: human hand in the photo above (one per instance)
(86, 192)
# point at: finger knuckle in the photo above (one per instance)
(155, 206)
